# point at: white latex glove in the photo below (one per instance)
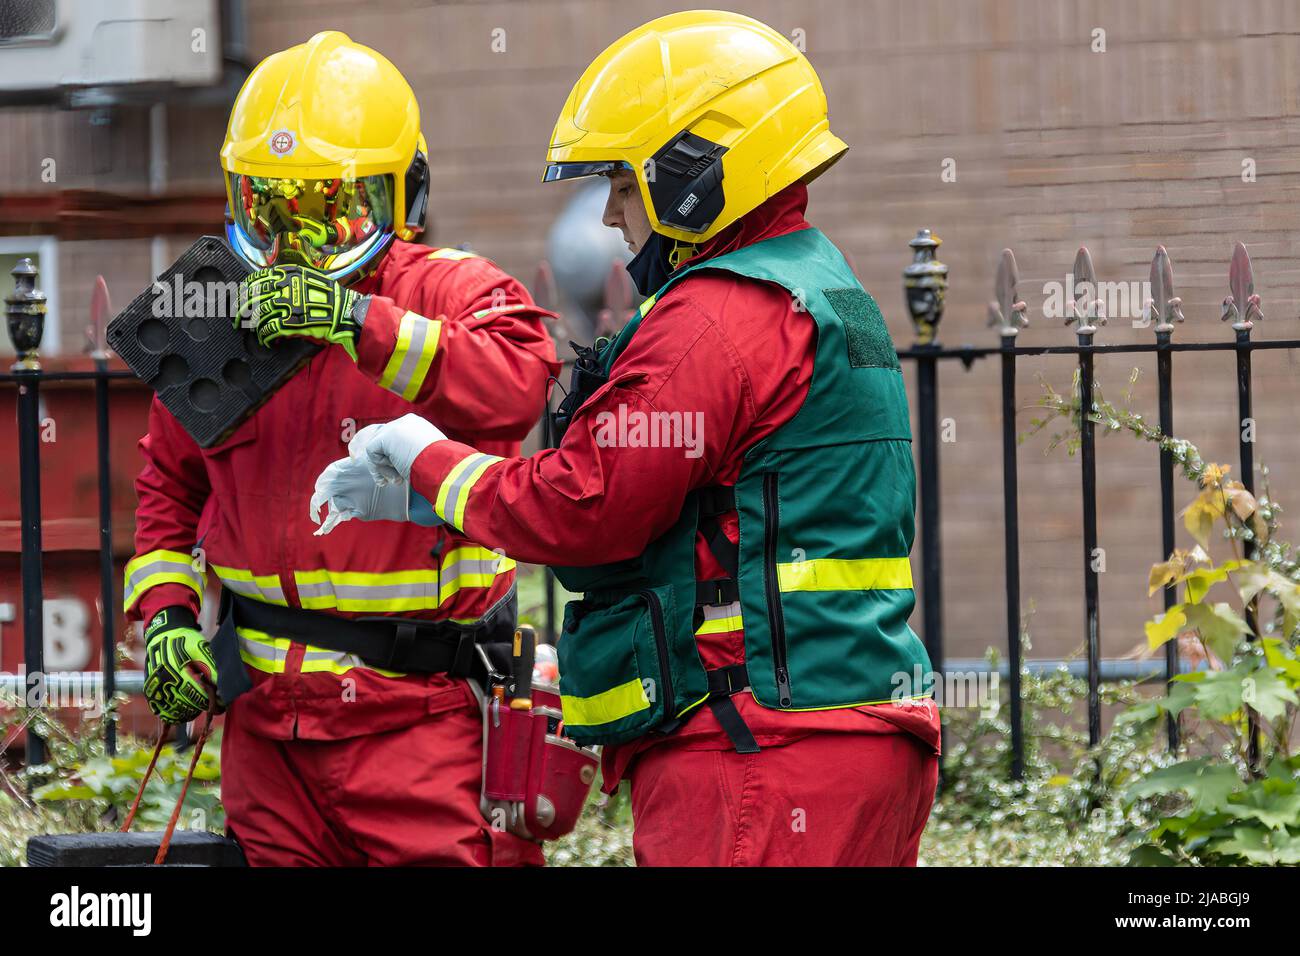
(349, 490)
(391, 449)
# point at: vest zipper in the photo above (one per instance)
(661, 645)
(775, 618)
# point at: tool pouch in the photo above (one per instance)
(535, 781)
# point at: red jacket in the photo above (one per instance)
(735, 352)
(448, 335)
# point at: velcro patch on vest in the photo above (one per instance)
(864, 327)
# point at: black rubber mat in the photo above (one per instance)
(180, 338)
(188, 848)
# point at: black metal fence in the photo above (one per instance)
(925, 284)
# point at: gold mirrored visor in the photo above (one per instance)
(334, 225)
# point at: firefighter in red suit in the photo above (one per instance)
(329, 757)
(740, 783)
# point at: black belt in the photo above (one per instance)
(395, 644)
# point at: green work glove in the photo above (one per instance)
(180, 676)
(299, 300)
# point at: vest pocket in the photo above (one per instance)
(616, 675)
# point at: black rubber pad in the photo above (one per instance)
(181, 339)
(188, 848)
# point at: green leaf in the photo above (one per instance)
(63, 791)
(1273, 810)
(1219, 696)
(1280, 655)
(1219, 625)
(1139, 714)
(1207, 784)
(1148, 855)
(1264, 690)
(1259, 846)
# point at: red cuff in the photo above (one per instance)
(378, 335)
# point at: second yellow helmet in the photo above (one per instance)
(714, 111)
(324, 158)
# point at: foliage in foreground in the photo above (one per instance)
(1234, 796)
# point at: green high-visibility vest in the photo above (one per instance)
(826, 506)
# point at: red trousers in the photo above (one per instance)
(828, 799)
(407, 797)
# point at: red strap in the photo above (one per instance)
(180, 801)
(135, 804)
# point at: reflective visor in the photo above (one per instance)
(335, 225)
(557, 171)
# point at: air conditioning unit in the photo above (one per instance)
(99, 52)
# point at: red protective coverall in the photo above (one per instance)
(325, 760)
(851, 786)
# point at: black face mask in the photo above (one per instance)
(651, 267)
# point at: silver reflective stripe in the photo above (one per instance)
(161, 566)
(414, 351)
(254, 590)
(718, 612)
(453, 493)
(451, 572)
(339, 657)
(367, 592)
(259, 649)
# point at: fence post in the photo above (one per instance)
(925, 282)
(1084, 309)
(100, 309)
(1007, 314)
(1165, 308)
(25, 315)
(1241, 307)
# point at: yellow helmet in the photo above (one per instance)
(324, 158)
(714, 111)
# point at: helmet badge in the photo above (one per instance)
(282, 142)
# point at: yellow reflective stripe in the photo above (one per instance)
(610, 705)
(470, 567)
(428, 348)
(647, 305)
(259, 587)
(722, 625)
(394, 365)
(319, 660)
(453, 254)
(163, 566)
(261, 651)
(417, 344)
(721, 619)
(414, 590)
(845, 574)
(454, 491)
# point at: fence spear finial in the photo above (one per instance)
(1163, 306)
(1241, 306)
(1084, 307)
(1006, 311)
